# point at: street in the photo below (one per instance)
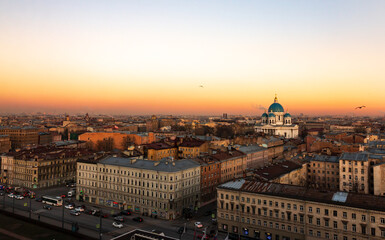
(88, 224)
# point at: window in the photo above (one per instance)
(353, 216)
(373, 219)
(327, 235)
(310, 232)
(382, 220)
(335, 237)
(354, 228)
(363, 217)
(318, 210)
(335, 225)
(318, 222)
(310, 209)
(373, 231)
(335, 213)
(344, 214)
(301, 208)
(327, 212)
(326, 223)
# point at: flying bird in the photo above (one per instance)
(201, 86)
(360, 107)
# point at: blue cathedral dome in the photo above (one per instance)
(275, 107)
(264, 115)
(287, 115)
(271, 114)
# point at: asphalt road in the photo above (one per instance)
(88, 224)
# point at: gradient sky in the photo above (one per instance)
(145, 57)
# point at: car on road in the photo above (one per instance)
(126, 212)
(48, 207)
(198, 224)
(117, 224)
(79, 209)
(138, 219)
(18, 197)
(39, 199)
(11, 195)
(180, 230)
(69, 206)
(74, 212)
(119, 218)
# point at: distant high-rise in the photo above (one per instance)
(224, 116)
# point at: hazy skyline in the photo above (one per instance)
(144, 57)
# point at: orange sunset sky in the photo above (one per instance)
(150, 57)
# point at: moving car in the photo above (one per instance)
(119, 218)
(198, 224)
(11, 195)
(117, 225)
(126, 212)
(69, 206)
(79, 209)
(48, 207)
(18, 197)
(74, 212)
(138, 219)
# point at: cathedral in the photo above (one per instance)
(277, 122)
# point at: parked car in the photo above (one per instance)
(117, 224)
(198, 225)
(11, 195)
(138, 219)
(119, 218)
(18, 197)
(48, 207)
(69, 206)
(74, 212)
(79, 209)
(126, 212)
(180, 230)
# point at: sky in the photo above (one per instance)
(151, 57)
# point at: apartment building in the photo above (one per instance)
(379, 179)
(262, 210)
(323, 172)
(286, 172)
(256, 156)
(154, 188)
(233, 164)
(21, 136)
(40, 167)
(191, 148)
(5, 143)
(210, 177)
(356, 172)
(160, 150)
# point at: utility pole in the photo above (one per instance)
(30, 207)
(100, 223)
(62, 216)
(13, 204)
